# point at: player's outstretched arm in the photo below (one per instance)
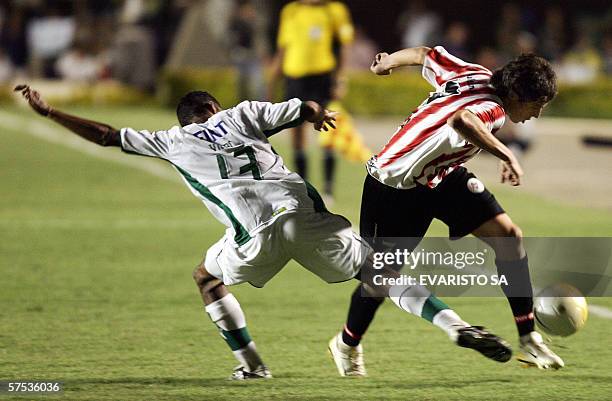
(474, 131)
(322, 118)
(384, 63)
(93, 131)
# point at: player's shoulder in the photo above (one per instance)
(290, 7)
(442, 57)
(175, 130)
(337, 6)
(249, 106)
(249, 111)
(244, 104)
(482, 94)
(488, 108)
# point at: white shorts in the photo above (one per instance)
(323, 243)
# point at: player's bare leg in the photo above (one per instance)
(506, 239)
(226, 313)
(419, 301)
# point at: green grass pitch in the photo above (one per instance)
(96, 292)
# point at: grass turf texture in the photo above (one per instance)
(96, 291)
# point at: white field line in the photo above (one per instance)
(600, 311)
(35, 127)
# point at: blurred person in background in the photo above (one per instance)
(582, 63)
(552, 37)
(508, 29)
(133, 52)
(606, 45)
(48, 37)
(13, 35)
(488, 57)
(363, 50)
(418, 25)
(79, 64)
(456, 39)
(165, 21)
(7, 70)
(525, 42)
(305, 56)
(245, 54)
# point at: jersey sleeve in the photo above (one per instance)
(440, 67)
(161, 144)
(343, 27)
(271, 118)
(490, 113)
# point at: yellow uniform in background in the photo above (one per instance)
(307, 32)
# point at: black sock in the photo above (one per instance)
(519, 292)
(361, 313)
(301, 163)
(329, 168)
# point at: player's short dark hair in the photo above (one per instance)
(531, 77)
(192, 105)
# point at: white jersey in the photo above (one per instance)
(228, 163)
(425, 149)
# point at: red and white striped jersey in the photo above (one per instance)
(425, 149)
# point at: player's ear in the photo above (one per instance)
(544, 101)
(212, 107)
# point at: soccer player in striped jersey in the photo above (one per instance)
(419, 176)
(272, 215)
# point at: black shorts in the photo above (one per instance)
(310, 87)
(407, 213)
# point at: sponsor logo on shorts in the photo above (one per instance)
(475, 186)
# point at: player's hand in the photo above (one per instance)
(378, 66)
(327, 121)
(511, 172)
(33, 98)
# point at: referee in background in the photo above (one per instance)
(308, 32)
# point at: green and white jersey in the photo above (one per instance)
(228, 163)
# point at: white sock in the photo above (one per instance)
(409, 298)
(227, 314)
(449, 321)
(419, 301)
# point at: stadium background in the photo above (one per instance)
(97, 247)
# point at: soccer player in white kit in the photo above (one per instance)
(419, 176)
(272, 215)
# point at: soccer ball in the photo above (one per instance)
(560, 310)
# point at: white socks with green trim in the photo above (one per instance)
(409, 298)
(418, 301)
(227, 314)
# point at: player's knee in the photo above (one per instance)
(210, 286)
(515, 236)
(508, 229)
(206, 282)
(511, 246)
(515, 232)
(197, 274)
(201, 276)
